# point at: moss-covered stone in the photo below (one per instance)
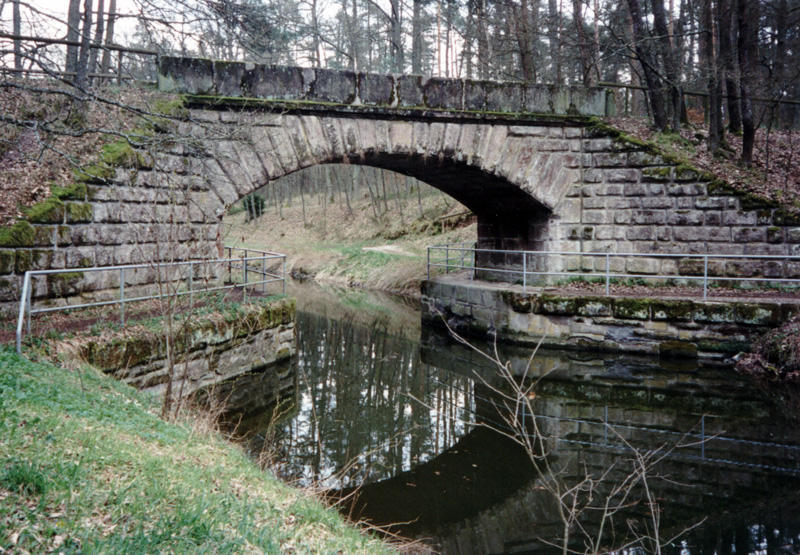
(49, 211)
(6, 262)
(23, 261)
(75, 191)
(757, 314)
(675, 311)
(714, 312)
(731, 347)
(677, 349)
(21, 234)
(79, 212)
(63, 284)
(662, 173)
(522, 303)
(95, 173)
(553, 304)
(632, 309)
(174, 108)
(595, 306)
(122, 154)
(783, 217)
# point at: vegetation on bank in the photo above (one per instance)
(363, 227)
(86, 466)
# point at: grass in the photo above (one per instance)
(87, 467)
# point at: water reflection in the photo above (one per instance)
(398, 410)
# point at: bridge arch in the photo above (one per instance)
(513, 177)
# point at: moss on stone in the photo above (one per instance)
(731, 347)
(23, 262)
(75, 191)
(21, 234)
(49, 211)
(757, 314)
(554, 304)
(632, 309)
(672, 310)
(79, 212)
(95, 173)
(783, 217)
(174, 108)
(594, 306)
(519, 302)
(661, 173)
(6, 262)
(122, 154)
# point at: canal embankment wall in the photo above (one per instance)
(710, 330)
(209, 350)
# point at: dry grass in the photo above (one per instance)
(354, 248)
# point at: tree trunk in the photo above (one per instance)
(416, 38)
(98, 36)
(81, 72)
(583, 44)
(522, 23)
(553, 37)
(748, 29)
(729, 66)
(670, 56)
(73, 35)
(17, 29)
(105, 65)
(649, 67)
(710, 69)
(395, 22)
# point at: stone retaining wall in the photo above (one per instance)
(710, 330)
(215, 348)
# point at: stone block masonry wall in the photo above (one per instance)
(212, 351)
(710, 330)
(536, 181)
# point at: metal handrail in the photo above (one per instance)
(243, 263)
(449, 263)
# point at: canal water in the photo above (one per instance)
(418, 433)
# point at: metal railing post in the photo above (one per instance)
(429, 263)
(447, 259)
(122, 296)
(264, 275)
(705, 276)
(703, 436)
(23, 301)
(608, 278)
(244, 267)
(524, 271)
(230, 264)
(191, 284)
(29, 300)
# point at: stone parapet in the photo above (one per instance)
(327, 86)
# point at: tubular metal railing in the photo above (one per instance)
(518, 265)
(250, 262)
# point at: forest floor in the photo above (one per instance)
(358, 247)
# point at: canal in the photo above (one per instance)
(417, 433)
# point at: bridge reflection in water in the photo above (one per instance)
(402, 420)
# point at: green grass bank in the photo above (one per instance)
(86, 466)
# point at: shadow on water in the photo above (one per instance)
(390, 417)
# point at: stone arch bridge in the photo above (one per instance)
(533, 162)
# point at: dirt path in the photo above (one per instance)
(390, 249)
